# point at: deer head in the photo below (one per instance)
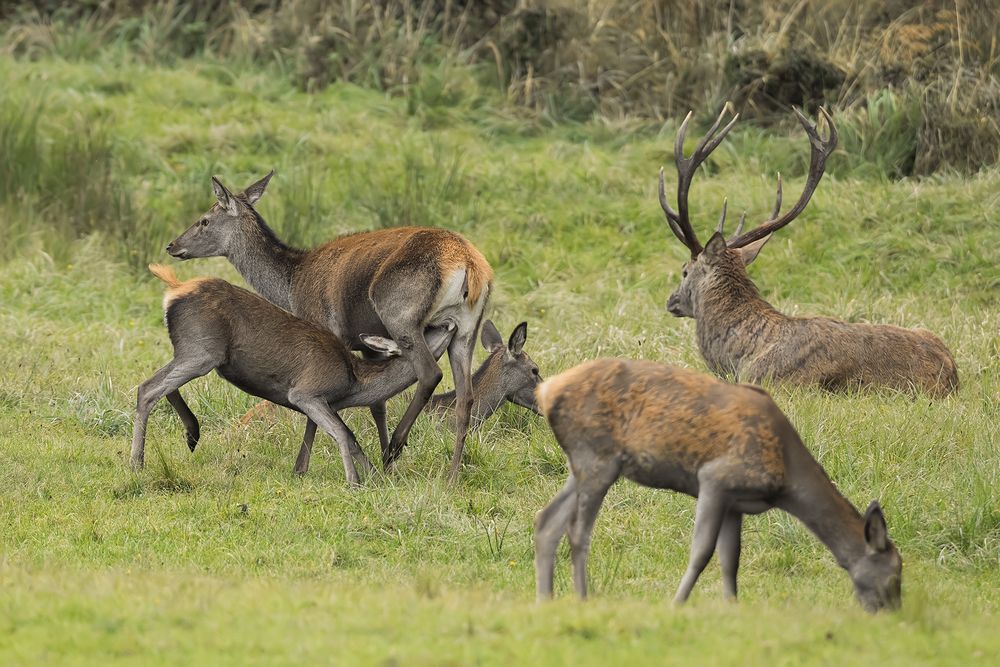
(516, 374)
(877, 576)
(212, 234)
(720, 256)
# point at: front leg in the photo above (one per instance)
(709, 512)
(728, 548)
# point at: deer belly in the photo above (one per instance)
(255, 385)
(661, 474)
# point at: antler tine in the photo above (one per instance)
(671, 214)
(722, 218)
(686, 167)
(739, 225)
(777, 200)
(821, 150)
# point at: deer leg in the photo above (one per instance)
(379, 416)
(590, 492)
(728, 548)
(550, 524)
(460, 357)
(319, 411)
(305, 451)
(709, 512)
(190, 422)
(414, 349)
(168, 379)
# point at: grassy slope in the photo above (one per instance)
(222, 553)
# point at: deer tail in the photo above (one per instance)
(165, 273)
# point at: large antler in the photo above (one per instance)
(678, 220)
(821, 150)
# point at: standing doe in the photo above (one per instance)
(742, 335)
(392, 282)
(508, 374)
(727, 445)
(267, 352)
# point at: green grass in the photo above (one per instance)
(222, 555)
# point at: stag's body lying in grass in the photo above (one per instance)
(728, 445)
(267, 352)
(741, 335)
(392, 282)
(508, 374)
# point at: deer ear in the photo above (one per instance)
(490, 337)
(256, 190)
(225, 197)
(381, 344)
(876, 532)
(750, 250)
(716, 244)
(518, 338)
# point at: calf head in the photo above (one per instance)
(514, 371)
(878, 575)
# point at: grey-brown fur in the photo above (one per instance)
(741, 335)
(393, 282)
(267, 352)
(727, 445)
(508, 374)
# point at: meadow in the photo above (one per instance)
(223, 556)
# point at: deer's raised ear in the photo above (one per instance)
(716, 244)
(750, 250)
(876, 532)
(381, 344)
(517, 338)
(225, 197)
(490, 337)
(256, 190)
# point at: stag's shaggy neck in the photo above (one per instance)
(266, 262)
(733, 323)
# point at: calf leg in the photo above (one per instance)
(190, 422)
(709, 512)
(305, 451)
(168, 379)
(319, 411)
(460, 357)
(728, 548)
(550, 524)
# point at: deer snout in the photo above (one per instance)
(174, 251)
(674, 307)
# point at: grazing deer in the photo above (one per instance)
(727, 445)
(742, 335)
(393, 282)
(508, 374)
(269, 353)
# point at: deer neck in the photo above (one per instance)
(817, 503)
(487, 392)
(732, 321)
(265, 262)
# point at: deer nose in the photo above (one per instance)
(170, 247)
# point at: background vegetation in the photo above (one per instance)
(536, 130)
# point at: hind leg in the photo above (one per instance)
(190, 422)
(460, 357)
(590, 492)
(168, 379)
(551, 523)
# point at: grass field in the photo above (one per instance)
(222, 556)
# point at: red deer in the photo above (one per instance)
(727, 445)
(508, 374)
(269, 353)
(741, 335)
(393, 282)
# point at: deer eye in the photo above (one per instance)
(534, 371)
(203, 222)
(684, 273)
